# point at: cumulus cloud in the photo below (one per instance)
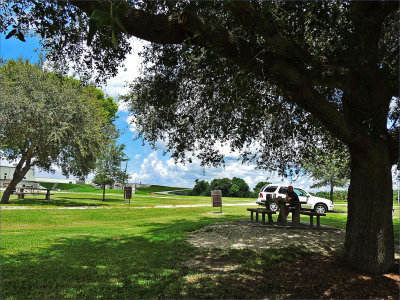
(131, 123)
(128, 72)
(155, 170)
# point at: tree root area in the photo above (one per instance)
(329, 277)
(243, 260)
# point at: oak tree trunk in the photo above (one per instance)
(369, 243)
(18, 175)
(104, 192)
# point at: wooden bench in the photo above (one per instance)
(312, 214)
(263, 212)
(21, 195)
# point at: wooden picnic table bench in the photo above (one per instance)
(296, 214)
(312, 214)
(32, 191)
(263, 212)
(282, 218)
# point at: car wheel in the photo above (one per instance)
(320, 208)
(273, 207)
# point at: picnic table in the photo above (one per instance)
(22, 191)
(282, 213)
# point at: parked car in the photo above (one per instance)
(317, 204)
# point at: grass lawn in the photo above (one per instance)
(123, 252)
(78, 199)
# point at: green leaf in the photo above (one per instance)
(100, 16)
(117, 20)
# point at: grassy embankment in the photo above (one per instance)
(129, 253)
(83, 188)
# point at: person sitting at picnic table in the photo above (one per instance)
(293, 199)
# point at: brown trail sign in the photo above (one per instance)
(128, 193)
(216, 199)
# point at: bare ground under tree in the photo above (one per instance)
(322, 273)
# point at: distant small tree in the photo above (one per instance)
(223, 184)
(259, 185)
(239, 188)
(328, 169)
(109, 169)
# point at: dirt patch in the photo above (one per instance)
(244, 234)
(329, 277)
(231, 254)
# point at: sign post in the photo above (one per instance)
(128, 193)
(216, 199)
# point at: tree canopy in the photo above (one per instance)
(272, 79)
(222, 184)
(201, 188)
(47, 120)
(109, 168)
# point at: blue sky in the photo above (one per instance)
(147, 165)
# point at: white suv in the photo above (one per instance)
(317, 204)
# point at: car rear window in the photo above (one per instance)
(283, 190)
(270, 189)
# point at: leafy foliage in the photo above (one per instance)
(236, 187)
(62, 29)
(239, 188)
(222, 184)
(49, 119)
(201, 188)
(331, 169)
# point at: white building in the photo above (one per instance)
(6, 174)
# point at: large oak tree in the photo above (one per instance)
(47, 121)
(254, 74)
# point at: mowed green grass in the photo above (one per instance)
(127, 252)
(90, 199)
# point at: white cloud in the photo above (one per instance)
(154, 170)
(137, 156)
(131, 123)
(128, 72)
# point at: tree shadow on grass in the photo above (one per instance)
(154, 265)
(147, 266)
(92, 267)
(64, 202)
(97, 201)
(59, 202)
